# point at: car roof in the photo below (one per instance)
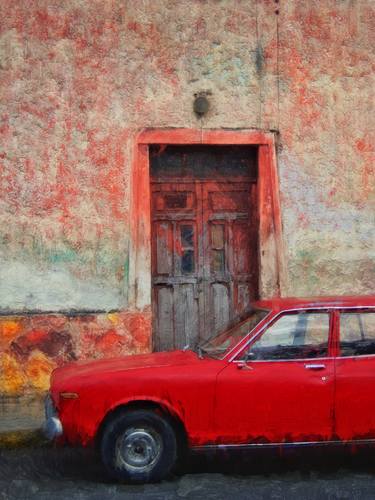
(336, 301)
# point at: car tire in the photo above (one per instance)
(139, 446)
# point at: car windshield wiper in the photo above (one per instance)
(201, 351)
(195, 348)
(198, 349)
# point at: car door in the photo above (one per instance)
(355, 375)
(280, 388)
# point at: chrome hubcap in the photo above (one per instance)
(138, 448)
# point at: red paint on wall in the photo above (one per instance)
(366, 150)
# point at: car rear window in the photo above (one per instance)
(357, 333)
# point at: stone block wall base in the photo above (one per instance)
(21, 413)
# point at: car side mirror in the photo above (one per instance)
(242, 365)
(250, 356)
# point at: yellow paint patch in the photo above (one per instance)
(12, 378)
(38, 370)
(113, 318)
(9, 329)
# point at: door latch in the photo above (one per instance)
(242, 365)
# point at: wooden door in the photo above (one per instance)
(204, 246)
(176, 265)
(229, 251)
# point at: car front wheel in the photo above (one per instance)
(139, 446)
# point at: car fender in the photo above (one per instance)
(138, 402)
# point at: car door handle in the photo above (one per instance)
(315, 367)
(242, 365)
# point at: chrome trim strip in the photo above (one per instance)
(355, 356)
(299, 360)
(285, 445)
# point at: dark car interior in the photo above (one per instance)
(357, 339)
(301, 346)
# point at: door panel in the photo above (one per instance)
(220, 305)
(204, 245)
(275, 402)
(355, 376)
(241, 242)
(165, 321)
(355, 398)
(164, 245)
(242, 296)
(186, 314)
(229, 250)
(286, 393)
(176, 274)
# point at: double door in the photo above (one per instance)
(204, 257)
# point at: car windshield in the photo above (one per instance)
(221, 344)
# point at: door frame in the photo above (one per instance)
(272, 272)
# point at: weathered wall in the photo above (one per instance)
(327, 165)
(80, 78)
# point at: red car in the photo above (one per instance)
(295, 371)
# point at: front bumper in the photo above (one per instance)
(52, 427)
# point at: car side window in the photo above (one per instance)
(293, 336)
(357, 333)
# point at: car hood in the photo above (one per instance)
(81, 371)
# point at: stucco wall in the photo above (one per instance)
(80, 78)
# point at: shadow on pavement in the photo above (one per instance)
(84, 465)
(322, 461)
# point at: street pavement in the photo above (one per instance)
(52, 473)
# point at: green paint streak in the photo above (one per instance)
(105, 260)
(125, 287)
(126, 270)
(306, 255)
(64, 255)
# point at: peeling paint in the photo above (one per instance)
(32, 346)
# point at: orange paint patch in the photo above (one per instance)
(36, 336)
(38, 370)
(12, 378)
(363, 146)
(111, 344)
(9, 330)
(139, 327)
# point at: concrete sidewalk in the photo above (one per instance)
(21, 419)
